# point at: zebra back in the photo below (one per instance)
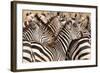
(36, 52)
(79, 49)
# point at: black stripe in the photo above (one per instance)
(39, 56)
(37, 60)
(64, 40)
(86, 59)
(49, 52)
(27, 59)
(27, 44)
(40, 49)
(29, 34)
(52, 27)
(66, 33)
(68, 57)
(71, 45)
(27, 51)
(81, 49)
(84, 54)
(60, 40)
(79, 43)
(65, 36)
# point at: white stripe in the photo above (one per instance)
(38, 52)
(87, 56)
(27, 55)
(84, 44)
(25, 61)
(83, 51)
(26, 48)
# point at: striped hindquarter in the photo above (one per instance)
(79, 49)
(35, 52)
(26, 52)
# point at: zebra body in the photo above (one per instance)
(45, 34)
(79, 49)
(59, 50)
(35, 52)
(66, 35)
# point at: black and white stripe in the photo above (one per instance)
(38, 31)
(35, 52)
(65, 36)
(40, 52)
(79, 49)
(63, 40)
(27, 52)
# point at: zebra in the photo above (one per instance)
(72, 32)
(36, 52)
(26, 55)
(60, 45)
(37, 31)
(29, 36)
(65, 32)
(65, 36)
(79, 49)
